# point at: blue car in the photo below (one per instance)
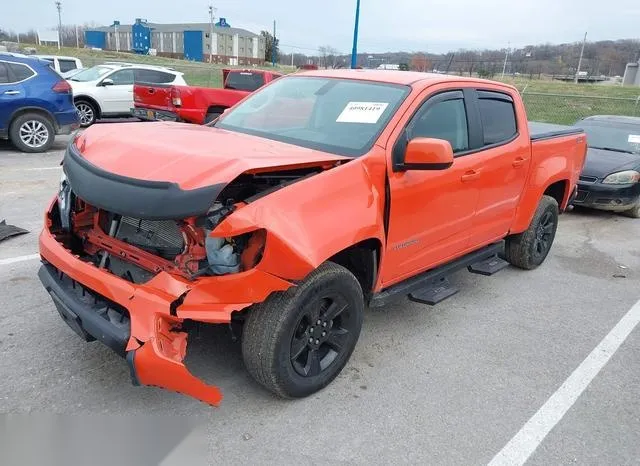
(36, 103)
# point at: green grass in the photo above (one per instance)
(195, 73)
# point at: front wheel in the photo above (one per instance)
(634, 212)
(529, 249)
(296, 342)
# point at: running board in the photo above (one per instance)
(488, 266)
(426, 286)
(435, 292)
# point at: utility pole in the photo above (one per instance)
(506, 56)
(354, 51)
(211, 18)
(580, 60)
(59, 7)
(273, 46)
(292, 59)
(77, 38)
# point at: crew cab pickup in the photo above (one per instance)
(196, 104)
(320, 194)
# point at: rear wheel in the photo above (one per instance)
(529, 249)
(87, 112)
(295, 343)
(32, 132)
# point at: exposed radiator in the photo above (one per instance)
(162, 237)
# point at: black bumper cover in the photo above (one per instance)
(602, 196)
(83, 311)
(151, 200)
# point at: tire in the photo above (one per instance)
(634, 212)
(529, 249)
(87, 112)
(211, 116)
(279, 344)
(32, 132)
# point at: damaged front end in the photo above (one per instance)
(127, 264)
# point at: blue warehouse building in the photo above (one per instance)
(191, 41)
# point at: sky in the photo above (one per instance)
(435, 26)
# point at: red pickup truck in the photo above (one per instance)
(196, 104)
(315, 197)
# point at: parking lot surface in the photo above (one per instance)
(449, 384)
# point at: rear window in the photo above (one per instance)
(498, 117)
(20, 72)
(66, 65)
(244, 81)
(154, 77)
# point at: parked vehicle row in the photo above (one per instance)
(106, 90)
(200, 105)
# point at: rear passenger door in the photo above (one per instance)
(505, 156)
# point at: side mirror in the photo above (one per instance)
(107, 82)
(427, 154)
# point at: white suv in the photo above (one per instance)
(107, 90)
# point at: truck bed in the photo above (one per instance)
(539, 130)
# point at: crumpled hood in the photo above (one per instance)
(191, 156)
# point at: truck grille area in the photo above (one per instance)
(161, 237)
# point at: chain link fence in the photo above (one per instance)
(566, 109)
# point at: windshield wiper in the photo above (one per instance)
(613, 149)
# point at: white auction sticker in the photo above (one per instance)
(362, 112)
(634, 138)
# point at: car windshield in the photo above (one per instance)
(621, 137)
(91, 74)
(341, 116)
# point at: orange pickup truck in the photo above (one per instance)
(192, 104)
(320, 194)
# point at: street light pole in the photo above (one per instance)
(580, 60)
(59, 7)
(354, 51)
(506, 55)
(211, 15)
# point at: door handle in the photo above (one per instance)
(151, 90)
(11, 92)
(520, 161)
(470, 175)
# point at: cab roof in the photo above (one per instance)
(407, 78)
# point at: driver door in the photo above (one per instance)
(118, 97)
(431, 211)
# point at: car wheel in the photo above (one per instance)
(87, 112)
(529, 249)
(211, 116)
(296, 342)
(634, 212)
(32, 132)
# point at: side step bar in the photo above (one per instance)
(432, 286)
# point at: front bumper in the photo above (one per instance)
(149, 334)
(617, 198)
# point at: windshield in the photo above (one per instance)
(333, 115)
(621, 137)
(91, 74)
